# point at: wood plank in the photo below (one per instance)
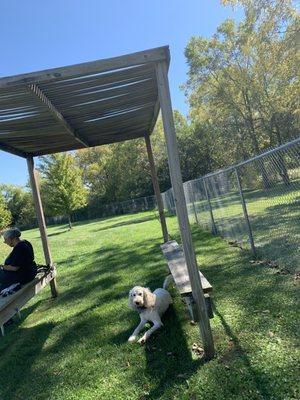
(12, 150)
(155, 184)
(70, 102)
(10, 304)
(181, 208)
(86, 110)
(106, 140)
(125, 61)
(56, 113)
(38, 134)
(178, 268)
(105, 80)
(41, 218)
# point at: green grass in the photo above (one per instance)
(75, 347)
(274, 216)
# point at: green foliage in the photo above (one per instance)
(5, 214)
(61, 185)
(121, 171)
(115, 172)
(20, 204)
(242, 87)
(243, 95)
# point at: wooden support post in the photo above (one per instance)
(181, 209)
(160, 204)
(41, 220)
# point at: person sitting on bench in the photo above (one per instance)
(19, 266)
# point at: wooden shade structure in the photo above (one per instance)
(92, 104)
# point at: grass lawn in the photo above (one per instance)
(274, 216)
(75, 347)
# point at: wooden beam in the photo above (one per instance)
(57, 115)
(41, 219)
(156, 108)
(12, 150)
(160, 204)
(181, 209)
(125, 61)
(154, 117)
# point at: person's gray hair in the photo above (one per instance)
(11, 233)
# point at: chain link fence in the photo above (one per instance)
(99, 210)
(254, 204)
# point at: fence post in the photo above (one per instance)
(193, 202)
(214, 228)
(245, 211)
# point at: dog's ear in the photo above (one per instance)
(149, 298)
(130, 301)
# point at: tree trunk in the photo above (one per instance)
(261, 166)
(282, 170)
(69, 221)
(280, 163)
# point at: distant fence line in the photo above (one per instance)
(107, 210)
(255, 204)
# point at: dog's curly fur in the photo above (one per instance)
(150, 306)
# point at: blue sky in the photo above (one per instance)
(37, 34)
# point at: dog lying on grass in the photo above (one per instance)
(150, 306)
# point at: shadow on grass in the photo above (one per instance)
(169, 363)
(277, 234)
(276, 231)
(128, 222)
(252, 288)
(236, 351)
(22, 346)
(58, 233)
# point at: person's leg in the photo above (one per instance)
(7, 278)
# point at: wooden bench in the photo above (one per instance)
(178, 268)
(11, 305)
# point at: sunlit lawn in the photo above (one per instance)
(274, 216)
(75, 347)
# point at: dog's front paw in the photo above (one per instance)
(132, 338)
(142, 340)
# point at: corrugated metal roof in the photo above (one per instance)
(78, 106)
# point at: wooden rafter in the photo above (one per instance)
(57, 115)
(12, 150)
(94, 67)
(81, 105)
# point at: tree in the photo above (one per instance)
(121, 171)
(62, 187)
(243, 83)
(5, 215)
(20, 203)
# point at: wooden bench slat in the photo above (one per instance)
(178, 268)
(11, 304)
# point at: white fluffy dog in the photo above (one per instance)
(150, 306)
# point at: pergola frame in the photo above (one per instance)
(74, 137)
